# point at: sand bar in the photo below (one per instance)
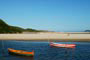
(46, 36)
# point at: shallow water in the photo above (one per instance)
(44, 52)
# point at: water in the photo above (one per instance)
(44, 52)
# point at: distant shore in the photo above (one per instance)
(47, 36)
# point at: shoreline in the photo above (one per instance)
(47, 36)
(57, 40)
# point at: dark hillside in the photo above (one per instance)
(5, 28)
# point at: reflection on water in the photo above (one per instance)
(21, 57)
(44, 52)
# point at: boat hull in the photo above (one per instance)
(13, 53)
(62, 45)
(20, 52)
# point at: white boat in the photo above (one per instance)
(52, 44)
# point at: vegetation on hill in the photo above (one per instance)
(5, 28)
(31, 30)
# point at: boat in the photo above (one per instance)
(52, 44)
(20, 52)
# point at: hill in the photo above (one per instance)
(5, 28)
(87, 30)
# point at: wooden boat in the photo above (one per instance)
(20, 52)
(52, 44)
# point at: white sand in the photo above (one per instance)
(46, 36)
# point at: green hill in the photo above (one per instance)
(5, 28)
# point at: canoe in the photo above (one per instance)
(20, 52)
(52, 44)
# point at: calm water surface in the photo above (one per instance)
(44, 52)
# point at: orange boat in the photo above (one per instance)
(20, 52)
(62, 45)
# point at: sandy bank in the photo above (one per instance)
(46, 36)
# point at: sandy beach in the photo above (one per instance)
(46, 36)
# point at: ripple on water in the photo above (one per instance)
(44, 52)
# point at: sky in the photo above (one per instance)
(52, 15)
